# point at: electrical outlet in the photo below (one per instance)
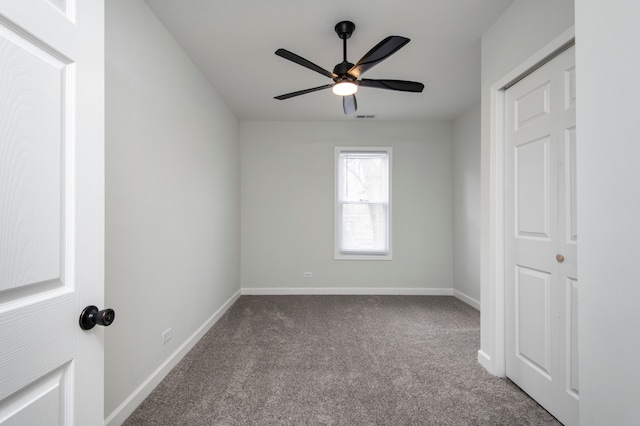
(307, 274)
(166, 336)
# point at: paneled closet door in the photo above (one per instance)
(541, 237)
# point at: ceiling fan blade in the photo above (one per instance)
(400, 85)
(379, 53)
(349, 104)
(305, 63)
(302, 92)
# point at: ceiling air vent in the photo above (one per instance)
(365, 117)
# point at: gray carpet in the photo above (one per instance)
(339, 360)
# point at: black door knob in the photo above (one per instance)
(91, 316)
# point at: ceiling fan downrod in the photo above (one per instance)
(344, 29)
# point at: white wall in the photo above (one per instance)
(608, 89)
(288, 206)
(172, 197)
(466, 205)
(522, 30)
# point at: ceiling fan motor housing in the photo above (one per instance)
(342, 71)
(345, 29)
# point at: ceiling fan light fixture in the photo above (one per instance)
(345, 88)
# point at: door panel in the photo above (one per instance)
(533, 335)
(541, 237)
(570, 88)
(570, 186)
(532, 181)
(51, 210)
(572, 330)
(532, 106)
(61, 5)
(32, 93)
(45, 398)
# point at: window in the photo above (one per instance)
(363, 211)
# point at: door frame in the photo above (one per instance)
(492, 355)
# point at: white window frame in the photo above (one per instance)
(339, 254)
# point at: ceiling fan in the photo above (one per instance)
(346, 76)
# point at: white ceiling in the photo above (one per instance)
(233, 43)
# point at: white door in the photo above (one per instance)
(541, 237)
(51, 210)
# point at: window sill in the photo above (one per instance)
(341, 256)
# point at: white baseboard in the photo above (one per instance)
(124, 410)
(407, 291)
(467, 299)
(485, 360)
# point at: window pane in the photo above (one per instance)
(364, 177)
(364, 228)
